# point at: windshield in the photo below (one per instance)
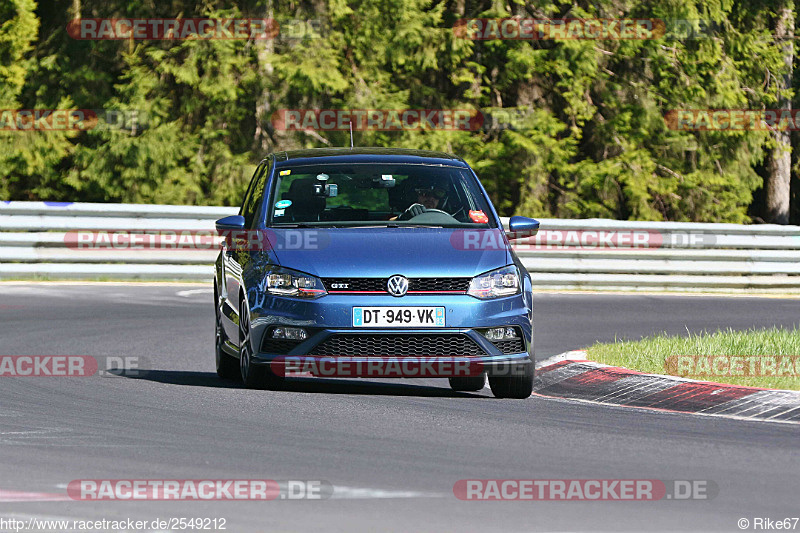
(377, 194)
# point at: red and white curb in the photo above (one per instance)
(571, 376)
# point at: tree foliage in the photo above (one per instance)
(588, 136)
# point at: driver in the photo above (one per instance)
(428, 197)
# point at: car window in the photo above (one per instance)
(352, 194)
(255, 197)
(247, 194)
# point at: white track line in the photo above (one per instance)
(192, 292)
(572, 355)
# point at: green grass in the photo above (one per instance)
(651, 355)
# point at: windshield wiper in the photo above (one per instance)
(406, 225)
(310, 225)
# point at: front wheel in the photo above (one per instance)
(518, 383)
(226, 364)
(253, 376)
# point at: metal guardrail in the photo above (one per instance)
(35, 241)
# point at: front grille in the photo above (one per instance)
(439, 284)
(510, 346)
(356, 284)
(432, 285)
(421, 345)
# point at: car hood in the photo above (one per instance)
(382, 252)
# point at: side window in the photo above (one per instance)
(248, 194)
(255, 196)
(258, 197)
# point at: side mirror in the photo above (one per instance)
(231, 223)
(521, 227)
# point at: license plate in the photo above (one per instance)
(398, 317)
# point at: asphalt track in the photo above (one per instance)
(393, 450)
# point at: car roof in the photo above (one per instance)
(366, 155)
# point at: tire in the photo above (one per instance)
(468, 384)
(253, 376)
(227, 366)
(518, 386)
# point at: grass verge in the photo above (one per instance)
(768, 358)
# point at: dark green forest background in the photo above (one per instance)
(593, 141)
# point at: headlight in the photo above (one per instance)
(285, 282)
(495, 284)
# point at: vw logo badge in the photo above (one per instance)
(397, 285)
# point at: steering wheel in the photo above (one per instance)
(434, 216)
(461, 210)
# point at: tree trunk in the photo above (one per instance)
(261, 138)
(780, 162)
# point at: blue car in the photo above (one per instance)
(367, 257)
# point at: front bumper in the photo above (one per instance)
(331, 317)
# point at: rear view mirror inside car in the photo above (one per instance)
(384, 181)
(327, 190)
